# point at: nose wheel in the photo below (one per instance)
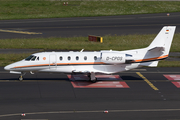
(21, 77)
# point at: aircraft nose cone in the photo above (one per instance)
(8, 67)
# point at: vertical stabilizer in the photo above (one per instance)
(159, 48)
(164, 39)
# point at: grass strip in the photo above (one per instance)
(165, 63)
(123, 42)
(26, 9)
(6, 59)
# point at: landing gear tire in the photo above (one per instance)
(92, 77)
(93, 81)
(21, 78)
(89, 76)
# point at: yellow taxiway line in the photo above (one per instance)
(147, 81)
(21, 32)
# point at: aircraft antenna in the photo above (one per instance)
(82, 50)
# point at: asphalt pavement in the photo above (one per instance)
(84, 26)
(53, 97)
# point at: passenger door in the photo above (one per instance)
(52, 61)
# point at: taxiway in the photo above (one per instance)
(53, 96)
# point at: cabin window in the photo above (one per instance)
(95, 57)
(77, 58)
(60, 58)
(85, 57)
(37, 59)
(69, 58)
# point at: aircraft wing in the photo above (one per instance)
(81, 71)
(157, 49)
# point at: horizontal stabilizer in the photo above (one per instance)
(157, 49)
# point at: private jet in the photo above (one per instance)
(101, 62)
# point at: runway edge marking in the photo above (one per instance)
(147, 81)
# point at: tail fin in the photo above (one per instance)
(160, 46)
(164, 39)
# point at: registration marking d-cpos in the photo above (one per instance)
(100, 84)
(174, 78)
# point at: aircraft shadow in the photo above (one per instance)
(131, 78)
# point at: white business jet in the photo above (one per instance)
(91, 63)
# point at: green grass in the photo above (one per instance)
(6, 59)
(124, 42)
(25, 9)
(165, 63)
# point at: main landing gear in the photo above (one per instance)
(92, 77)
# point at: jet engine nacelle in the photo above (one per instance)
(112, 58)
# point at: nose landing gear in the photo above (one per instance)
(21, 77)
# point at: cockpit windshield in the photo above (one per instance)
(31, 58)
